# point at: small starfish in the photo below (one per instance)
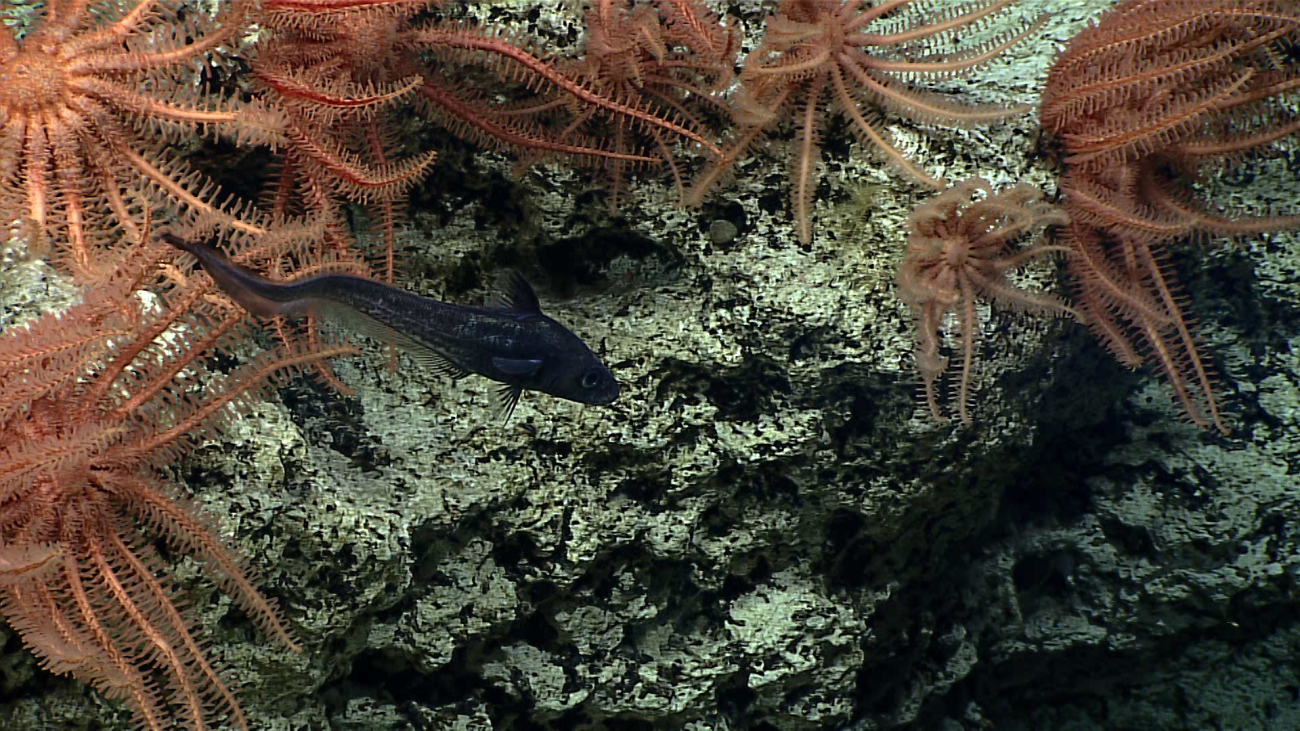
(960, 248)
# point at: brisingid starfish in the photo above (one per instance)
(94, 403)
(1155, 96)
(820, 58)
(960, 248)
(89, 102)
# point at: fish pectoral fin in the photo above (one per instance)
(363, 324)
(507, 398)
(514, 294)
(517, 367)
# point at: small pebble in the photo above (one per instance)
(722, 232)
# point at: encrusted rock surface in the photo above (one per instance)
(765, 531)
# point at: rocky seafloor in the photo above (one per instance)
(766, 531)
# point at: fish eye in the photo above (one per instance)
(590, 379)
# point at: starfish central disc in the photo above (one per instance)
(31, 82)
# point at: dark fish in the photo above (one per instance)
(509, 341)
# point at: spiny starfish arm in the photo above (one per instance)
(921, 30)
(440, 37)
(250, 378)
(807, 160)
(961, 60)
(191, 535)
(179, 191)
(792, 70)
(36, 153)
(117, 203)
(1102, 88)
(147, 107)
(323, 7)
(929, 363)
(162, 380)
(1177, 22)
(1100, 275)
(113, 34)
(25, 463)
(920, 105)
(1190, 354)
(1210, 147)
(968, 323)
(122, 360)
(867, 132)
(1007, 294)
(234, 17)
(852, 21)
(68, 170)
(143, 702)
(137, 61)
(716, 172)
(1021, 258)
(1135, 136)
(54, 350)
(700, 26)
(1098, 205)
(354, 176)
(461, 112)
(171, 644)
(288, 85)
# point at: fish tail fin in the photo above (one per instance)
(248, 289)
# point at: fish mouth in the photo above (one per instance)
(606, 399)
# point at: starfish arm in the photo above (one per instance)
(436, 37)
(960, 17)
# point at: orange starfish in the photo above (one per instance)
(1145, 101)
(89, 102)
(961, 248)
(105, 401)
(821, 57)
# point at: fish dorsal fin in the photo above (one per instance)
(514, 294)
(517, 367)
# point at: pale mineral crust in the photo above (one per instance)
(767, 530)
